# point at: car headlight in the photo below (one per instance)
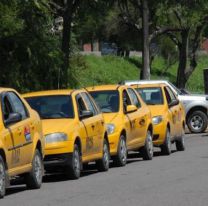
(55, 137)
(157, 119)
(110, 128)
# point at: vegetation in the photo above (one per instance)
(93, 70)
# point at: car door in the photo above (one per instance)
(97, 121)
(20, 150)
(173, 111)
(25, 129)
(138, 117)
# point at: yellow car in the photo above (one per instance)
(74, 130)
(128, 121)
(168, 115)
(21, 141)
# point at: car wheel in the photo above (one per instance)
(147, 151)
(166, 147)
(34, 178)
(2, 178)
(121, 157)
(103, 164)
(180, 143)
(197, 122)
(73, 169)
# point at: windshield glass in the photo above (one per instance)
(52, 107)
(152, 96)
(108, 101)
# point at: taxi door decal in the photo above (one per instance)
(27, 134)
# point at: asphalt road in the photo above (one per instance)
(180, 179)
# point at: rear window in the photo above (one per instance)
(108, 101)
(53, 106)
(151, 96)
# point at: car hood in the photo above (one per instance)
(199, 97)
(157, 110)
(57, 125)
(110, 117)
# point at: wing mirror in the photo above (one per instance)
(13, 118)
(131, 108)
(86, 114)
(173, 103)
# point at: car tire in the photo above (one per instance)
(197, 122)
(166, 147)
(180, 143)
(73, 169)
(147, 150)
(121, 158)
(2, 178)
(34, 178)
(103, 164)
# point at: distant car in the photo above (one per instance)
(74, 130)
(108, 48)
(168, 116)
(128, 120)
(21, 142)
(196, 106)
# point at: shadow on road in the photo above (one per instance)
(15, 189)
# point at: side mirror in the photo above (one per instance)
(13, 118)
(173, 103)
(131, 108)
(86, 114)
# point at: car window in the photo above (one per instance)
(6, 107)
(17, 105)
(126, 99)
(169, 95)
(151, 95)
(52, 106)
(107, 100)
(134, 98)
(89, 103)
(80, 104)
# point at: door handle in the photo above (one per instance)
(142, 122)
(32, 126)
(19, 131)
(93, 126)
(102, 122)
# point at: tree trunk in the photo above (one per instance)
(183, 57)
(66, 36)
(145, 73)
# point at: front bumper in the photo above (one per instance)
(159, 134)
(113, 141)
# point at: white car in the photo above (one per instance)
(196, 106)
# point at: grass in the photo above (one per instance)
(93, 70)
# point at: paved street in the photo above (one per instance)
(179, 179)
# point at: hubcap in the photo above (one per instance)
(76, 161)
(196, 122)
(123, 150)
(150, 143)
(38, 169)
(2, 177)
(105, 155)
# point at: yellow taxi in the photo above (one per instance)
(74, 130)
(21, 141)
(128, 121)
(168, 115)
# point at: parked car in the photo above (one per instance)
(21, 142)
(196, 106)
(74, 130)
(168, 115)
(128, 120)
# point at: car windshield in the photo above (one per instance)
(152, 96)
(53, 106)
(108, 101)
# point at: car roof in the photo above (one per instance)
(105, 87)
(48, 93)
(4, 89)
(148, 85)
(132, 82)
